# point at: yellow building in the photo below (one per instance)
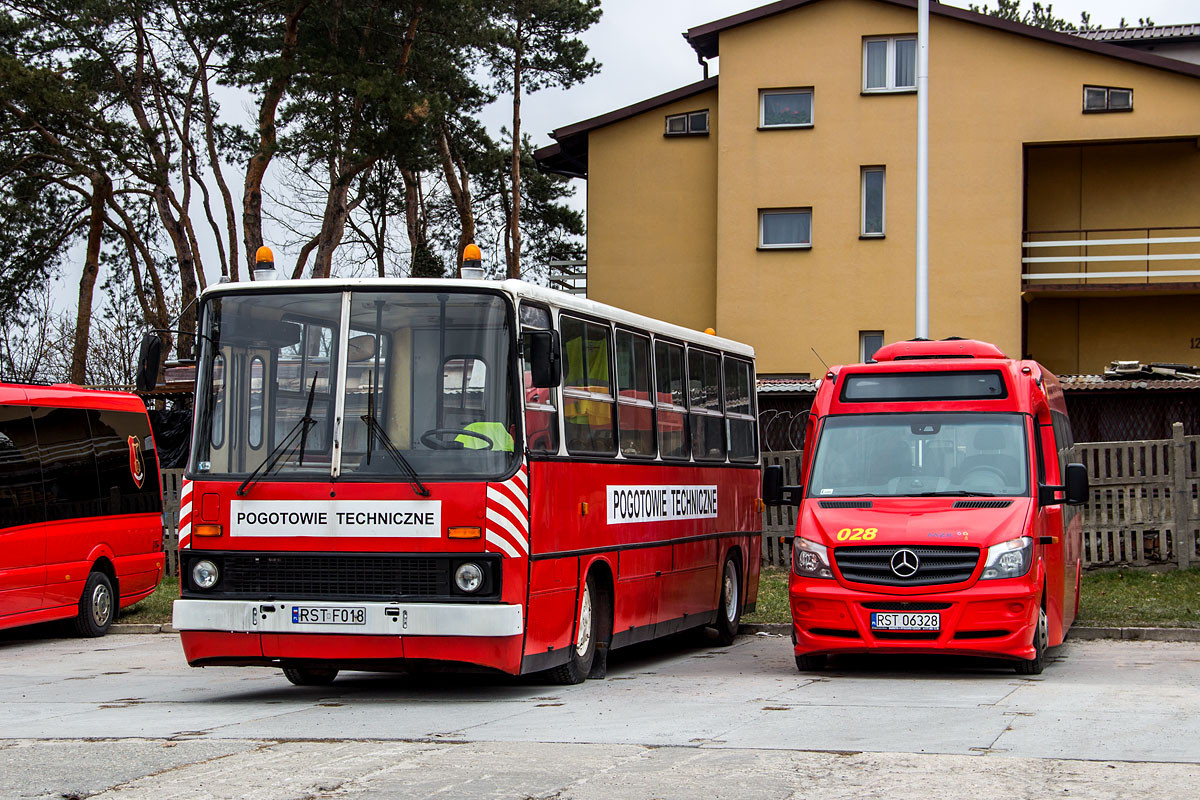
(776, 201)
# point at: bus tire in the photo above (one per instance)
(97, 606)
(729, 609)
(310, 676)
(583, 650)
(810, 663)
(1040, 637)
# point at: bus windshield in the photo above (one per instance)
(922, 454)
(422, 379)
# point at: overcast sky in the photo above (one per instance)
(642, 53)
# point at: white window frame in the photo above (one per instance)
(763, 212)
(862, 344)
(762, 108)
(889, 73)
(862, 220)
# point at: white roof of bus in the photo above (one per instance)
(521, 289)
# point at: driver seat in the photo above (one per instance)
(501, 438)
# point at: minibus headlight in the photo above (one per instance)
(1009, 559)
(468, 577)
(810, 559)
(205, 574)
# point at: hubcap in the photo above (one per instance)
(101, 605)
(1043, 634)
(731, 593)
(584, 640)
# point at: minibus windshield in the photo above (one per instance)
(386, 385)
(922, 454)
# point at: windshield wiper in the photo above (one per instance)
(375, 429)
(301, 428)
(956, 493)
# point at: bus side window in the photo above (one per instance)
(739, 411)
(706, 425)
(635, 411)
(541, 404)
(218, 401)
(587, 389)
(670, 400)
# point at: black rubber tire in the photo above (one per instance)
(729, 609)
(1040, 635)
(310, 676)
(583, 650)
(810, 663)
(97, 606)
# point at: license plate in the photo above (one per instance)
(325, 615)
(905, 622)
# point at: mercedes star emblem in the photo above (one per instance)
(905, 563)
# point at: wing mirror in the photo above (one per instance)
(774, 493)
(1075, 490)
(545, 358)
(149, 357)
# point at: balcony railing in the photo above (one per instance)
(1111, 256)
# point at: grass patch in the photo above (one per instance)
(1123, 598)
(156, 608)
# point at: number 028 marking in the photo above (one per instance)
(856, 534)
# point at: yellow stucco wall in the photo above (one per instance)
(992, 94)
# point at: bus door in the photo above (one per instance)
(22, 510)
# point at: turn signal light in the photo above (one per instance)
(464, 533)
(206, 530)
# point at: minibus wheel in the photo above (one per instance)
(97, 606)
(1041, 637)
(729, 611)
(310, 676)
(810, 663)
(582, 651)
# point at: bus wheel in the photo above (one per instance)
(810, 663)
(729, 613)
(310, 676)
(1040, 638)
(97, 606)
(583, 652)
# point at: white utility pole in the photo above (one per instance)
(922, 169)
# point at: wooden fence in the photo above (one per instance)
(172, 482)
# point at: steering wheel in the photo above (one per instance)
(985, 476)
(432, 438)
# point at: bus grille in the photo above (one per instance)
(937, 565)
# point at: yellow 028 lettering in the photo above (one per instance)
(857, 534)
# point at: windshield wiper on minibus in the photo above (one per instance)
(301, 427)
(955, 493)
(375, 429)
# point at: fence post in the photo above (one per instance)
(1180, 498)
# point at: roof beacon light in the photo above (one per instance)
(472, 263)
(710, 331)
(264, 264)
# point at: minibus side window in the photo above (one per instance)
(120, 462)
(21, 498)
(68, 463)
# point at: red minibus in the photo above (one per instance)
(80, 506)
(388, 474)
(936, 508)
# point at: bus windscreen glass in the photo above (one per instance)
(899, 386)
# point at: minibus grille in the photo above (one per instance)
(936, 565)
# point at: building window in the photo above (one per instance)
(785, 227)
(872, 201)
(1098, 99)
(868, 343)
(890, 64)
(785, 108)
(694, 123)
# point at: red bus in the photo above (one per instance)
(389, 474)
(936, 509)
(80, 506)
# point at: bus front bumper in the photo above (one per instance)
(348, 618)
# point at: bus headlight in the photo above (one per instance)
(205, 574)
(1009, 559)
(468, 577)
(810, 559)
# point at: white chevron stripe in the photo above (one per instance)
(498, 520)
(521, 478)
(500, 543)
(514, 490)
(185, 491)
(501, 499)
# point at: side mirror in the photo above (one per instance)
(545, 358)
(774, 492)
(1077, 485)
(149, 355)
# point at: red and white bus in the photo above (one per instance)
(80, 506)
(389, 473)
(936, 508)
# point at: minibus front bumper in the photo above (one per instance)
(990, 618)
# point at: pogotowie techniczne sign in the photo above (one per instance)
(408, 518)
(628, 504)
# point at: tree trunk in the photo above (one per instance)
(514, 264)
(460, 192)
(187, 270)
(333, 226)
(101, 187)
(412, 210)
